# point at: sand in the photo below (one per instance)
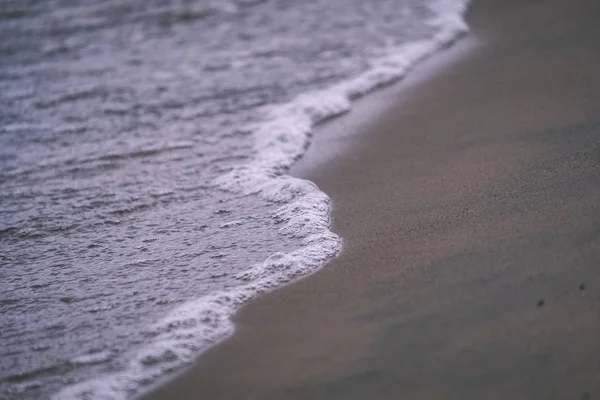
(468, 197)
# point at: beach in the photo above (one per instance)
(145, 156)
(469, 206)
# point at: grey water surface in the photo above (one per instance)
(115, 118)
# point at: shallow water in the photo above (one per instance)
(142, 147)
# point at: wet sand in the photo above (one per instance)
(468, 197)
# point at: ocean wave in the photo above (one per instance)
(304, 212)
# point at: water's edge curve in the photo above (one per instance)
(281, 138)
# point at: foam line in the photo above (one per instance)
(281, 138)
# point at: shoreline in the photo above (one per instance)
(420, 210)
(281, 137)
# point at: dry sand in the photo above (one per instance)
(470, 210)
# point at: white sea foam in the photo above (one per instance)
(304, 212)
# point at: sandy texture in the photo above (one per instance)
(470, 211)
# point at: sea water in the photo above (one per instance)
(144, 146)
